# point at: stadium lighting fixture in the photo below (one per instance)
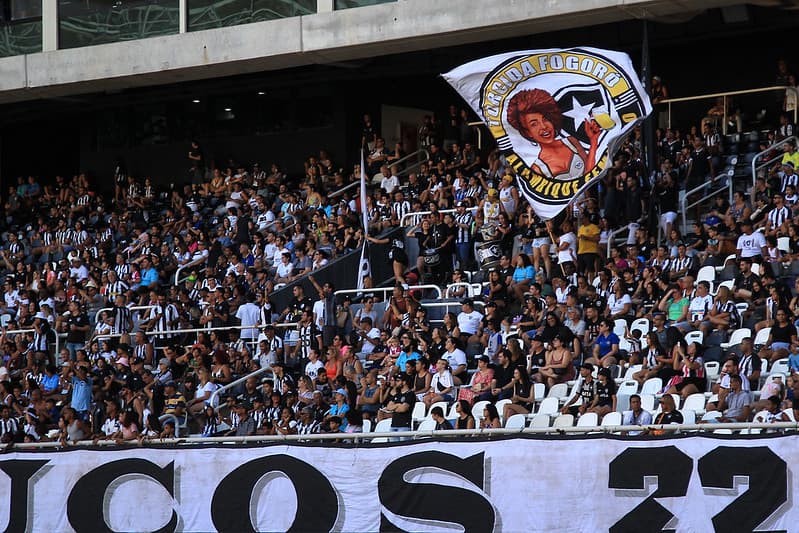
(195, 101)
(261, 93)
(228, 110)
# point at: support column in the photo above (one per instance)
(183, 20)
(324, 6)
(49, 25)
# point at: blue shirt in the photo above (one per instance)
(523, 273)
(149, 276)
(50, 383)
(405, 357)
(81, 394)
(606, 343)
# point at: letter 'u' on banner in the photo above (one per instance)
(558, 116)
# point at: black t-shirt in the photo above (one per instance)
(297, 305)
(248, 398)
(403, 420)
(503, 375)
(78, 320)
(539, 359)
(668, 418)
(605, 393)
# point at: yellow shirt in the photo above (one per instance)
(793, 158)
(584, 244)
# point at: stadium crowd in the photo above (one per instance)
(99, 270)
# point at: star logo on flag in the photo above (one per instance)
(579, 113)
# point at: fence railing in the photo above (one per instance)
(412, 219)
(724, 96)
(756, 166)
(463, 433)
(386, 290)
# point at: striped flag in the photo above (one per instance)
(364, 269)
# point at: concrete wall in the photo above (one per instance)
(325, 37)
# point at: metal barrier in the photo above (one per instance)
(56, 341)
(469, 289)
(685, 206)
(612, 236)
(477, 432)
(724, 95)
(386, 290)
(133, 308)
(756, 167)
(412, 219)
(220, 390)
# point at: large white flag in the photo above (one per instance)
(558, 116)
(364, 269)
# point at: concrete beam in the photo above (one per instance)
(402, 26)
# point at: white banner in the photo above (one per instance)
(557, 115)
(692, 484)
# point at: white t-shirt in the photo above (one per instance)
(445, 381)
(570, 253)
(368, 347)
(284, 270)
(699, 306)
(312, 369)
(209, 387)
(319, 313)
(617, 305)
(249, 314)
(455, 358)
(389, 184)
(751, 245)
(469, 322)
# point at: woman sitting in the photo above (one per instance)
(523, 396)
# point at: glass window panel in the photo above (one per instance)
(346, 4)
(207, 14)
(90, 22)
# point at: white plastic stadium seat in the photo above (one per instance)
(623, 393)
(611, 419)
(384, 426)
(762, 337)
(706, 273)
(642, 325)
(500, 405)
(418, 413)
(712, 369)
(477, 409)
(539, 421)
(694, 336)
(737, 336)
(428, 424)
(563, 421)
(688, 416)
(695, 403)
(620, 327)
(549, 406)
(588, 420)
(780, 366)
(652, 386)
(784, 244)
(559, 390)
(516, 421)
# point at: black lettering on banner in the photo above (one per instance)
(85, 503)
(672, 468)
(767, 491)
(427, 501)
(317, 502)
(20, 472)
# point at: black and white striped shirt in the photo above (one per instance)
(778, 216)
(123, 270)
(84, 200)
(169, 313)
(401, 209)
(64, 236)
(789, 179)
(79, 237)
(122, 320)
(679, 264)
(114, 289)
(729, 307)
(464, 235)
(8, 426)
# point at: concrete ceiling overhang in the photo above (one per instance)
(323, 38)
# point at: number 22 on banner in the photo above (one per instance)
(766, 471)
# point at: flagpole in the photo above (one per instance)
(364, 268)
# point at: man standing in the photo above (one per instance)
(163, 318)
(328, 307)
(249, 314)
(77, 326)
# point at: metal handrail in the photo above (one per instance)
(477, 432)
(469, 288)
(684, 207)
(724, 95)
(756, 167)
(386, 290)
(410, 168)
(342, 190)
(612, 236)
(220, 390)
(476, 127)
(133, 308)
(416, 216)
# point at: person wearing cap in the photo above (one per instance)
(307, 424)
(246, 425)
(174, 401)
(339, 407)
(751, 244)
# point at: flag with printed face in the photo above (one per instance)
(558, 116)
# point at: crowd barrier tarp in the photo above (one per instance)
(516, 484)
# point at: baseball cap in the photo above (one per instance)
(341, 391)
